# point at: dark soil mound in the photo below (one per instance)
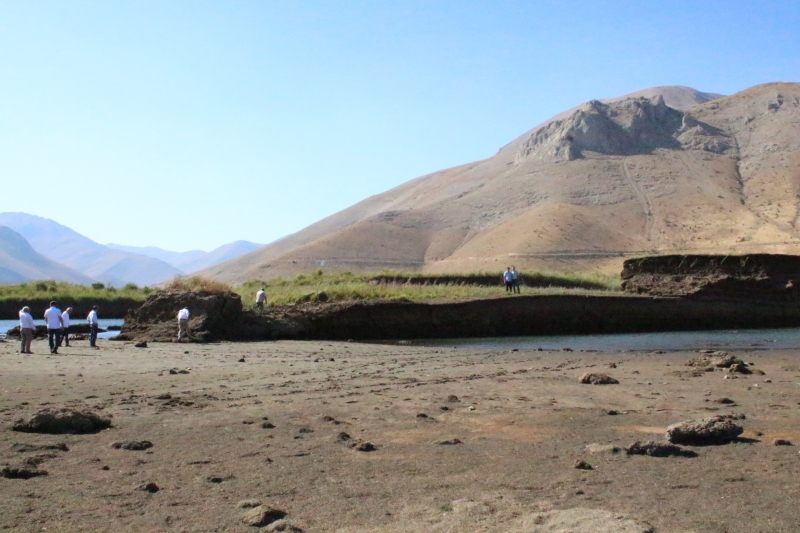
(756, 276)
(21, 472)
(58, 421)
(212, 317)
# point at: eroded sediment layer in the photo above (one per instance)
(221, 317)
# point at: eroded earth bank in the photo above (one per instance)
(350, 438)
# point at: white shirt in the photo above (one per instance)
(92, 318)
(183, 314)
(261, 296)
(53, 318)
(65, 319)
(26, 321)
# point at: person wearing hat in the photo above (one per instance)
(65, 326)
(54, 326)
(26, 330)
(94, 326)
(183, 323)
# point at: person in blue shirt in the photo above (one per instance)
(508, 279)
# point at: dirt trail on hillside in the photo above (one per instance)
(461, 440)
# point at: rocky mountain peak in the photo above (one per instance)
(627, 127)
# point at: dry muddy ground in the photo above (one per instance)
(464, 440)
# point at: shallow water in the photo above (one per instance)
(744, 339)
(6, 325)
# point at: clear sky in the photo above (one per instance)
(192, 124)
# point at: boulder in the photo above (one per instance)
(720, 429)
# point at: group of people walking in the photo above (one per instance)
(511, 279)
(58, 324)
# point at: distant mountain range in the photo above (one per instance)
(662, 170)
(193, 260)
(20, 263)
(33, 247)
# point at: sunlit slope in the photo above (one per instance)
(20, 263)
(581, 192)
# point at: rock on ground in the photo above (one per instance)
(597, 379)
(596, 448)
(715, 430)
(262, 516)
(132, 445)
(58, 421)
(658, 449)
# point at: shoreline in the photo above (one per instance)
(116, 308)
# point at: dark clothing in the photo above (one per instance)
(54, 339)
(64, 336)
(509, 286)
(93, 334)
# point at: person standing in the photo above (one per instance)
(26, 330)
(65, 328)
(94, 325)
(183, 323)
(54, 325)
(508, 278)
(261, 299)
(515, 279)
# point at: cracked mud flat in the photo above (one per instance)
(500, 458)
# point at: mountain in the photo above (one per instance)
(644, 173)
(192, 260)
(176, 259)
(94, 260)
(20, 263)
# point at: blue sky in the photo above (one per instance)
(192, 124)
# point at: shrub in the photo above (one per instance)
(41, 286)
(98, 286)
(130, 287)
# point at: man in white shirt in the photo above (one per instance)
(183, 323)
(26, 330)
(93, 327)
(261, 298)
(65, 328)
(54, 324)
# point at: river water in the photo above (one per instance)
(744, 339)
(6, 325)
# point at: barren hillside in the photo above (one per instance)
(644, 173)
